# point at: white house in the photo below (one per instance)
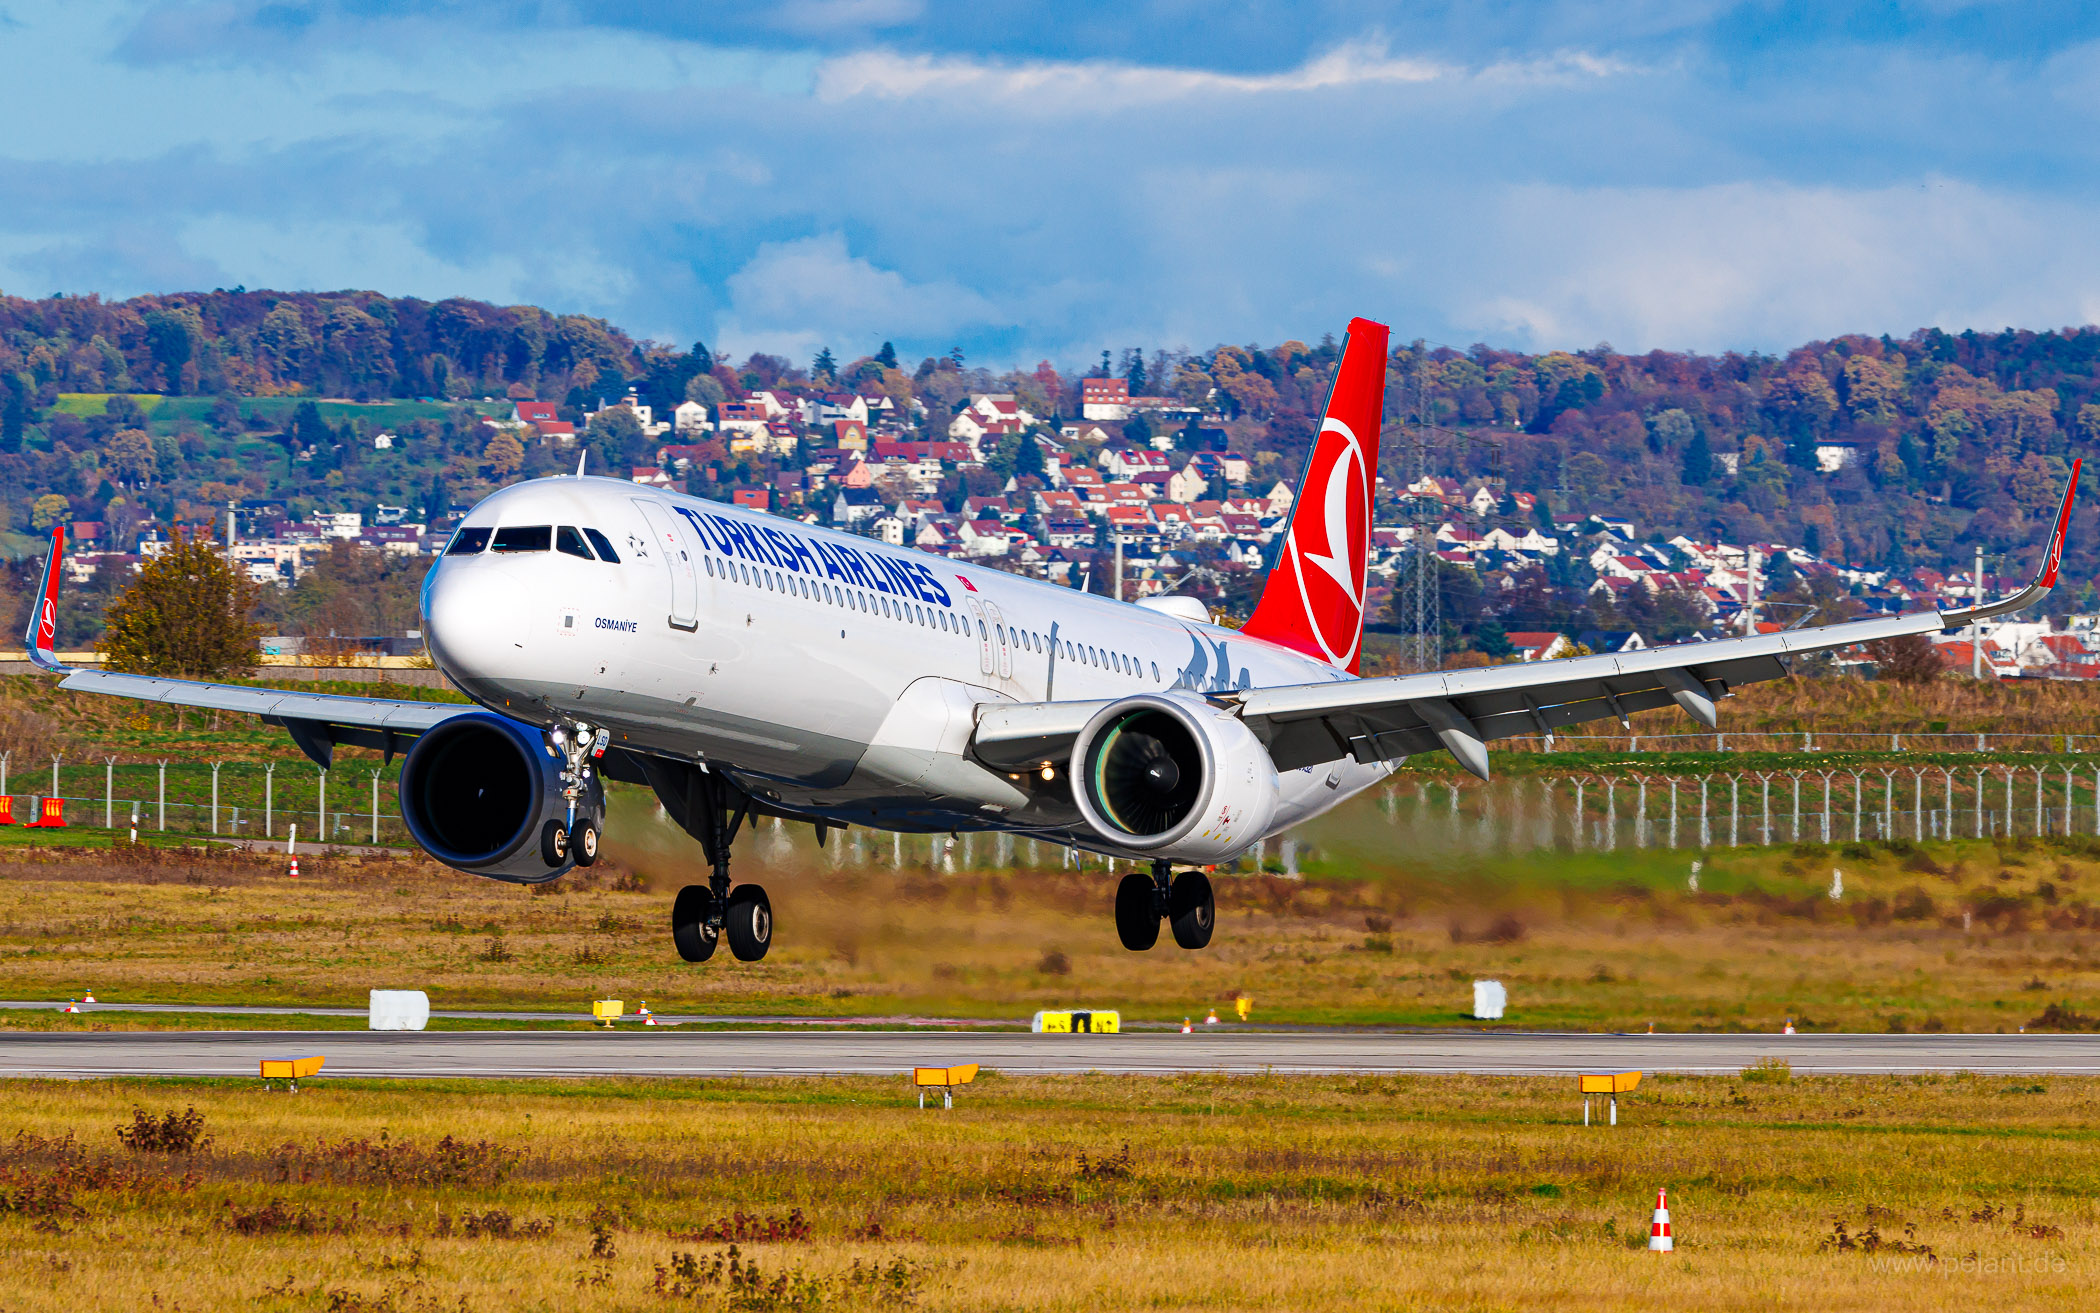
(690, 417)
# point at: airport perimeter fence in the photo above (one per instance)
(1776, 741)
(259, 802)
(1731, 809)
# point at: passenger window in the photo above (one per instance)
(468, 541)
(566, 539)
(604, 546)
(523, 538)
(1155, 672)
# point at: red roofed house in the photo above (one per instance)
(533, 412)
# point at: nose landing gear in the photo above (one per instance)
(1184, 901)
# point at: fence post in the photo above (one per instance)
(1575, 839)
(1706, 837)
(1826, 806)
(1947, 779)
(1640, 815)
(109, 793)
(269, 798)
(164, 797)
(1734, 805)
(2009, 802)
(1797, 806)
(2069, 801)
(375, 810)
(1764, 778)
(54, 776)
(2038, 828)
(1917, 804)
(3, 770)
(215, 795)
(1611, 814)
(321, 810)
(1673, 811)
(1979, 801)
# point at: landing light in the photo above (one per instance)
(1049, 773)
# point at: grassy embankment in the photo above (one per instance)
(1966, 936)
(1052, 1193)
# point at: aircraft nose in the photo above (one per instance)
(474, 619)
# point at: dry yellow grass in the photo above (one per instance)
(1254, 1193)
(1964, 937)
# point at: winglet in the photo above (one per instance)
(42, 634)
(2044, 579)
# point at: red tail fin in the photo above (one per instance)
(1314, 598)
(42, 634)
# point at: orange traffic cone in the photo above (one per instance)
(1659, 1239)
(295, 866)
(1186, 1028)
(1651, 1028)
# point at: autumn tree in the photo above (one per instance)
(184, 617)
(48, 510)
(504, 455)
(1906, 659)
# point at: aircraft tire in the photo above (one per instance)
(689, 930)
(1137, 920)
(584, 844)
(749, 923)
(554, 843)
(1191, 910)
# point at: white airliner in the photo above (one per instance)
(741, 664)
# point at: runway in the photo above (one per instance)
(642, 1052)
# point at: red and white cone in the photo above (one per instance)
(1186, 1028)
(90, 997)
(1659, 1238)
(71, 1006)
(650, 1020)
(1789, 1027)
(1212, 1019)
(295, 866)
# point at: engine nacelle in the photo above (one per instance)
(478, 791)
(1172, 776)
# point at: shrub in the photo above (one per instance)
(171, 1132)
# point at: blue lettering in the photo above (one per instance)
(785, 546)
(802, 551)
(932, 582)
(832, 569)
(856, 567)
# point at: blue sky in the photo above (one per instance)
(1046, 180)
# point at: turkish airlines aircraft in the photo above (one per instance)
(740, 664)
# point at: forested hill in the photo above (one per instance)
(1947, 441)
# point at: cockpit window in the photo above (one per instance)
(468, 541)
(524, 538)
(603, 544)
(566, 539)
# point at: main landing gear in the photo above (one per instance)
(704, 915)
(1184, 902)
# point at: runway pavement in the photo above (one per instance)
(641, 1052)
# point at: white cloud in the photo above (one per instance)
(1110, 85)
(1743, 263)
(794, 297)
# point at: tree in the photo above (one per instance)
(504, 455)
(14, 412)
(186, 616)
(616, 438)
(887, 357)
(131, 455)
(1028, 457)
(825, 366)
(48, 510)
(1906, 659)
(1136, 373)
(1698, 461)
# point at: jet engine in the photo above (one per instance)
(483, 794)
(1171, 776)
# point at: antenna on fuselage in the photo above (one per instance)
(581, 457)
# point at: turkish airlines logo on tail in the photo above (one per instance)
(1314, 599)
(1335, 544)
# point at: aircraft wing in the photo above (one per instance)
(316, 721)
(1462, 711)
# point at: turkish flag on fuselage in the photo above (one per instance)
(1313, 601)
